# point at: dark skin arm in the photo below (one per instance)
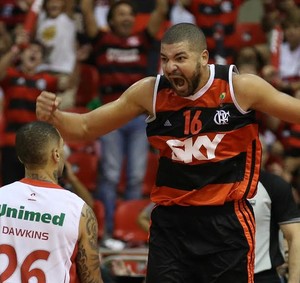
(87, 260)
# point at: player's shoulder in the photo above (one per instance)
(143, 88)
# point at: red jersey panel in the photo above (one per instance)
(20, 93)
(121, 62)
(209, 147)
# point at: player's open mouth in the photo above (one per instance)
(178, 82)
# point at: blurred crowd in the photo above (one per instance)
(119, 41)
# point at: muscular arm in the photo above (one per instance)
(135, 101)
(87, 259)
(252, 92)
(291, 233)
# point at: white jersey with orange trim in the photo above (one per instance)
(39, 224)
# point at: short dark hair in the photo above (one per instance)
(32, 141)
(115, 5)
(185, 32)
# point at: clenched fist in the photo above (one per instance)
(46, 104)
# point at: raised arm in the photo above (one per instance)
(135, 101)
(158, 16)
(87, 9)
(252, 92)
(88, 260)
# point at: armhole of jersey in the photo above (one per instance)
(152, 118)
(233, 69)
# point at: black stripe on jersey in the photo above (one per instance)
(253, 162)
(40, 84)
(192, 177)
(22, 104)
(176, 121)
(221, 72)
(246, 208)
(13, 127)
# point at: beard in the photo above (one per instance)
(192, 83)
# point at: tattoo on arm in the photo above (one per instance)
(91, 227)
(88, 262)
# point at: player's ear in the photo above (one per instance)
(204, 58)
(56, 155)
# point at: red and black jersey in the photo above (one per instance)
(20, 94)
(121, 61)
(209, 147)
(217, 19)
(11, 14)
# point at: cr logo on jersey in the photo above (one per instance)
(186, 150)
(221, 117)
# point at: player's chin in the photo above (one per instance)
(182, 90)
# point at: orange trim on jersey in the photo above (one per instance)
(209, 195)
(246, 218)
(39, 183)
(73, 270)
(183, 154)
(214, 194)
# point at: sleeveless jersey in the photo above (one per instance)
(209, 147)
(20, 92)
(39, 224)
(121, 62)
